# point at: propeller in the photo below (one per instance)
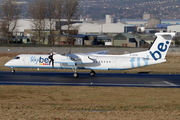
(51, 59)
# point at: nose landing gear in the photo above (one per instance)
(13, 71)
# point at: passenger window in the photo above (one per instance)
(17, 57)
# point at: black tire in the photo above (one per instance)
(76, 75)
(92, 73)
(13, 71)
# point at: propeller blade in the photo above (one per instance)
(51, 60)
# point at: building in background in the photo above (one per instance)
(147, 16)
(126, 40)
(173, 28)
(153, 22)
(110, 19)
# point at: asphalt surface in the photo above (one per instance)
(101, 79)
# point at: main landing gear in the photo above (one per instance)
(76, 74)
(92, 73)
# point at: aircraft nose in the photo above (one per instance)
(7, 64)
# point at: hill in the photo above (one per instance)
(125, 9)
(131, 9)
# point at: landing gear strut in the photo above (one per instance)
(92, 73)
(76, 74)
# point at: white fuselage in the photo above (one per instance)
(96, 62)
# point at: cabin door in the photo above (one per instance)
(26, 61)
(113, 63)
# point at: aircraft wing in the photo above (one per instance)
(73, 57)
(99, 52)
(78, 59)
(76, 56)
(82, 58)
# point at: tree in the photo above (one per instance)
(10, 13)
(59, 13)
(71, 11)
(51, 14)
(37, 10)
(43, 10)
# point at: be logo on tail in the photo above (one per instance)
(162, 47)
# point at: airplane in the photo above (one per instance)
(96, 60)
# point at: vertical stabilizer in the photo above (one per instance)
(161, 45)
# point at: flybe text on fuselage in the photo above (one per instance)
(161, 48)
(40, 60)
(137, 60)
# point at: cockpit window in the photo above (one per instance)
(17, 57)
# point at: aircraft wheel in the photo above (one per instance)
(92, 73)
(76, 75)
(13, 71)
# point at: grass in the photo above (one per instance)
(100, 103)
(91, 103)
